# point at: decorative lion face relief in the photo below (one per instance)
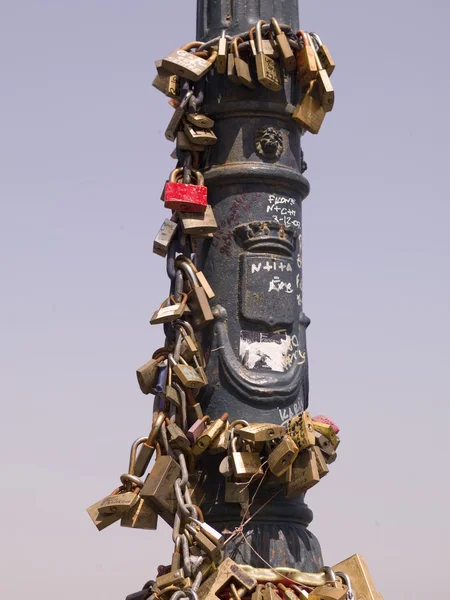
(269, 143)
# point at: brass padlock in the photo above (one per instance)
(147, 449)
(140, 516)
(324, 87)
(236, 493)
(270, 592)
(212, 431)
(202, 281)
(324, 444)
(198, 223)
(287, 54)
(177, 436)
(164, 237)
(171, 393)
(334, 590)
(327, 431)
(306, 60)
(198, 299)
(231, 69)
(301, 430)
(272, 480)
(288, 594)
(309, 112)
(222, 51)
(305, 474)
(324, 55)
(227, 572)
(147, 375)
(174, 578)
(199, 120)
(118, 502)
(268, 46)
(168, 84)
(242, 68)
(209, 547)
(176, 120)
(322, 466)
(186, 374)
(258, 593)
(184, 143)
(173, 311)
(362, 583)
(282, 456)
(199, 135)
(102, 520)
(159, 490)
(246, 465)
(186, 64)
(220, 443)
(267, 69)
(261, 432)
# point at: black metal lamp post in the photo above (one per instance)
(258, 366)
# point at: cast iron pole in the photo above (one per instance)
(258, 368)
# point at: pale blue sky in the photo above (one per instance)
(82, 163)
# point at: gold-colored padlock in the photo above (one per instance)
(305, 474)
(287, 54)
(322, 466)
(334, 590)
(306, 61)
(202, 281)
(168, 84)
(246, 465)
(199, 223)
(199, 120)
(102, 520)
(184, 143)
(169, 312)
(140, 516)
(261, 432)
(222, 52)
(324, 55)
(159, 490)
(300, 428)
(324, 86)
(199, 135)
(327, 431)
(242, 68)
(187, 375)
(282, 456)
(186, 64)
(309, 112)
(211, 432)
(147, 375)
(356, 569)
(227, 572)
(164, 237)
(267, 69)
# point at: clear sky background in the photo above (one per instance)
(83, 159)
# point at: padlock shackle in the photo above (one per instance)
(302, 34)
(133, 451)
(316, 38)
(258, 41)
(275, 26)
(234, 46)
(190, 273)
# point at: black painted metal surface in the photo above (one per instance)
(258, 366)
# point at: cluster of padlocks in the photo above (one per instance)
(292, 458)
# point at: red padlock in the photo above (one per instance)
(192, 198)
(326, 421)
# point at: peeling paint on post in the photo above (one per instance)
(258, 366)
